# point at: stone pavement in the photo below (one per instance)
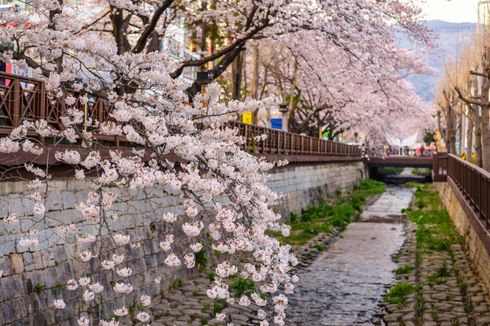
(188, 305)
(440, 285)
(389, 206)
(345, 284)
(448, 292)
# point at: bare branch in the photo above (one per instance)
(229, 49)
(141, 43)
(482, 104)
(477, 73)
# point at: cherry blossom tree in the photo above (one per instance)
(326, 88)
(110, 51)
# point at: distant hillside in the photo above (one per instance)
(449, 40)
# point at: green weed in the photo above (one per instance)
(323, 218)
(218, 306)
(435, 231)
(389, 170)
(422, 172)
(178, 283)
(58, 287)
(320, 246)
(201, 260)
(242, 286)
(398, 294)
(38, 288)
(402, 270)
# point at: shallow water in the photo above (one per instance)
(344, 285)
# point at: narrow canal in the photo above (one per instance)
(345, 284)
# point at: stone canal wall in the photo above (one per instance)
(304, 185)
(477, 253)
(31, 280)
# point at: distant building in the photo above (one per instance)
(177, 42)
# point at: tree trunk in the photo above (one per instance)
(154, 43)
(485, 124)
(255, 72)
(237, 76)
(485, 132)
(460, 132)
(475, 116)
(441, 131)
(469, 135)
(451, 134)
(291, 110)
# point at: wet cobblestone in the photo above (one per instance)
(345, 284)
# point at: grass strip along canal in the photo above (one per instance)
(435, 282)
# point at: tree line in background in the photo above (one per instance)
(463, 101)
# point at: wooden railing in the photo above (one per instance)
(474, 184)
(439, 167)
(287, 143)
(26, 99)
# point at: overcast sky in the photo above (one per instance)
(452, 10)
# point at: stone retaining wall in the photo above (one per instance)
(304, 185)
(31, 279)
(477, 252)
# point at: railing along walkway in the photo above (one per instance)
(26, 99)
(471, 185)
(280, 145)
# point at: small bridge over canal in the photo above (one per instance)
(437, 163)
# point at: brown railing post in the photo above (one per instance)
(264, 142)
(487, 204)
(43, 111)
(278, 146)
(287, 138)
(435, 167)
(15, 102)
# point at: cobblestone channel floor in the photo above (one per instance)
(344, 285)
